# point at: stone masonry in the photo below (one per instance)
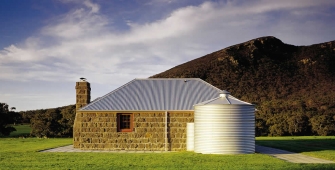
(83, 94)
(97, 130)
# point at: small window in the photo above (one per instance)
(124, 122)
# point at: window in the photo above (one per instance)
(124, 122)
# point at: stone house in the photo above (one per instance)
(144, 114)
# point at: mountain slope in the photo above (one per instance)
(292, 86)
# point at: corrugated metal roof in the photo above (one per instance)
(156, 94)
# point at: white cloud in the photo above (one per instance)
(75, 25)
(161, 2)
(94, 7)
(82, 38)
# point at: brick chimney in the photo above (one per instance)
(83, 93)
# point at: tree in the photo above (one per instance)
(53, 122)
(6, 118)
(323, 125)
(45, 124)
(297, 123)
(68, 114)
(26, 116)
(277, 125)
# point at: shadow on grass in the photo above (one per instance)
(270, 150)
(299, 145)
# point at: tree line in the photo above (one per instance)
(296, 118)
(54, 122)
(273, 118)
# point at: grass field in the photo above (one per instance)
(22, 153)
(21, 130)
(317, 146)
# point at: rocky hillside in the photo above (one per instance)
(293, 87)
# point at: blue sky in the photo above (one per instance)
(46, 46)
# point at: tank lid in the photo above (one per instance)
(224, 99)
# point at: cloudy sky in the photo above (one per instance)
(46, 46)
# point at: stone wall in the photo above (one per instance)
(98, 130)
(83, 94)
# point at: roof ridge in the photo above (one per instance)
(165, 78)
(210, 84)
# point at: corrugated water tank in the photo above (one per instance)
(224, 125)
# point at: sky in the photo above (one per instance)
(46, 46)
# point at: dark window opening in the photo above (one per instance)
(124, 122)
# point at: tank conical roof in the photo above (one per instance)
(224, 98)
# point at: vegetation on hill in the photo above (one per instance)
(293, 87)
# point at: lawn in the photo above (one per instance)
(22, 153)
(21, 130)
(317, 146)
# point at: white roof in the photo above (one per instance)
(156, 94)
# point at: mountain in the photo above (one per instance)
(293, 87)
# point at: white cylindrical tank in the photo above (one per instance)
(190, 137)
(224, 125)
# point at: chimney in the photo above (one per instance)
(83, 93)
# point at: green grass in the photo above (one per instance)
(21, 130)
(22, 153)
(317, 146)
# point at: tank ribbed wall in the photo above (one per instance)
(224, 129)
